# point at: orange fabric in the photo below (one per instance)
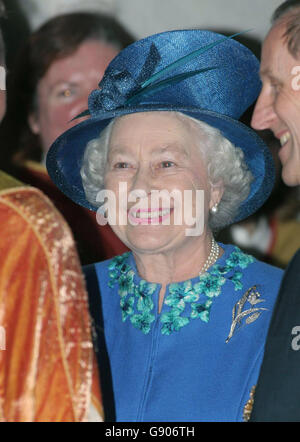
(96, 392)
(46, 368)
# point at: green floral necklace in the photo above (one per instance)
(187, 300)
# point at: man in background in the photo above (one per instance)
(277, 396)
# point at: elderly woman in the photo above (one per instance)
(184, 318)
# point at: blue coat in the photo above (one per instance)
(197, 360)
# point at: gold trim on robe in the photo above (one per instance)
(46, 368)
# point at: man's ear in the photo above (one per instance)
(34, 123)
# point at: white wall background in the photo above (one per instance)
(145, 17)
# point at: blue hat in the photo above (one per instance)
(202, 74)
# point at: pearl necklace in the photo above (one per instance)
(212, 257)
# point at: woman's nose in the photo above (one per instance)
(264, 115)
(143, 179)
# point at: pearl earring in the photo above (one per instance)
(214, 209)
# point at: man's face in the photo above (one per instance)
(278, 106)
(63, 91)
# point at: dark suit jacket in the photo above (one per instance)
(277, 396)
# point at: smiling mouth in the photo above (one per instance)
(284, 138)
(149, 216)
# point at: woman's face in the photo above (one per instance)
(63, 91)
(148, 153)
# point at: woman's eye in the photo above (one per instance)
(121, 165)
(167, 164)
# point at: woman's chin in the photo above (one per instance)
(146, 245)
(146, 239)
